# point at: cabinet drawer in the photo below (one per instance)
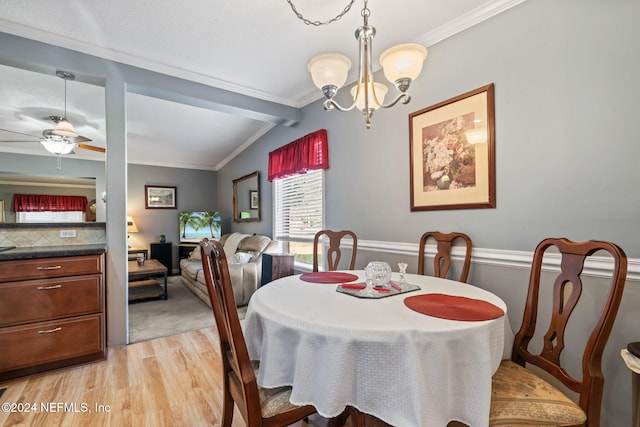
(27, 269)
(45, 342)
(46, 299)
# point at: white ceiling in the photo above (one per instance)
(255, 48)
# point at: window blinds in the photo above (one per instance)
(299, 206)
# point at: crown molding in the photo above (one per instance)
(468, 20)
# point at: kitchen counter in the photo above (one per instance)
(51, 251)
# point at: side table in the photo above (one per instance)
(275, 266)
(633, 363)
(133, 253)
(142, 282)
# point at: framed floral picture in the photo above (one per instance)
(452, 153)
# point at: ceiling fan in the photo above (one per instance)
(63, 138)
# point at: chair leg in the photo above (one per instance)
(227, 409)
(340, 420)
(357, 418)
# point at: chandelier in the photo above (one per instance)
(401, 65)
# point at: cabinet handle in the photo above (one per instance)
(55, 267)
(46, 288)
(50, 331)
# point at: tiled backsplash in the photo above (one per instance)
(50, 236)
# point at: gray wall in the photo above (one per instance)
(566, 95)
(196, 190)
(566, 92)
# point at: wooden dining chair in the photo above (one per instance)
(258, 406)
(333, 252)
(520, 397)
(442, 259)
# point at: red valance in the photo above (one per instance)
(307, 153)
(47, 203)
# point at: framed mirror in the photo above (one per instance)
(246, 198)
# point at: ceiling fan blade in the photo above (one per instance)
(19, 133)
(73, 139)
(79, 139)
(92, 147)
(24, 140)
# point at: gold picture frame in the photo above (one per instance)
(452, 153)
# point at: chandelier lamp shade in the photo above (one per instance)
(401, 64)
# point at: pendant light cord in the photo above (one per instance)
(318, 23)
(65, 99)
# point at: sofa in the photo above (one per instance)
(244, 255)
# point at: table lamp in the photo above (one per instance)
(131, 227)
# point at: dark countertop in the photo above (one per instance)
(51, 251)
(13, 225)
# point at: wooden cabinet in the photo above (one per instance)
(163, 252)
(275, 266)
(52, 313)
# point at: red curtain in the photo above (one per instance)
(42, 203)
(307, 153)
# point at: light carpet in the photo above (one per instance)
(182, 312)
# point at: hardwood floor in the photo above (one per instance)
(171, 381)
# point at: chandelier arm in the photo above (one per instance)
(318, 23)
(330, 104)
(404, 97)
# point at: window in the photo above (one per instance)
(299, 212)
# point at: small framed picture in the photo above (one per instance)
(254, 201)
(160, 197)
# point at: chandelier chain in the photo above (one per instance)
(318, 23)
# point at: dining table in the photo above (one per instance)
(391, 356)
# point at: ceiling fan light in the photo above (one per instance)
(64, 128)
(375, 99)
(403, 61)
(329, 69)
(57, 146)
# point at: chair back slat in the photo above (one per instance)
(442, 259)
(238, 370)
(334, 253)
(567, 289)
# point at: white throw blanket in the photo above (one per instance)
(231, 245)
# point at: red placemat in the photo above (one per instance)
(328, 277)
(453, 307)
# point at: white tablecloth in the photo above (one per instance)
(377, 355)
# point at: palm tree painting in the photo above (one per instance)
(199, 225)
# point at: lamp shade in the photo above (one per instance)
(64, 128)
(329, 69)
(375, 100)
(403, 61)
(131, 225)
(57, 146)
